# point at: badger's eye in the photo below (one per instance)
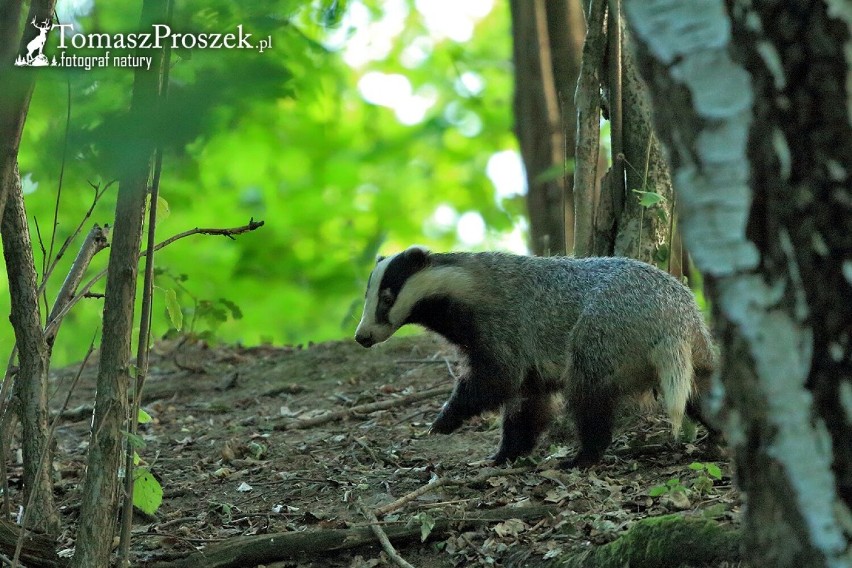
(386, 297)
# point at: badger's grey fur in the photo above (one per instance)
(598, 329)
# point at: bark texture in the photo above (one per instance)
(101, 490)
(30, 387)
(612, 221)
(547, 40)
(753, 102)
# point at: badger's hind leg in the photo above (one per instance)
(592, 401)
(524, 421)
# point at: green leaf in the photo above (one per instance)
(658, 490)
(163, 210)
(427, 523)
(713, 470)
(697, 466)
(236, 312)
(136, 441)
(143, 417)
(147, 491)
(173, 308)
(648, 198)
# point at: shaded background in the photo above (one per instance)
(365, 128)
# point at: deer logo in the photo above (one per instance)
(35, 48)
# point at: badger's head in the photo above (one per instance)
(392, 291)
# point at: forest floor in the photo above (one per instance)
(228, 445)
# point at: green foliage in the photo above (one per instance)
(701, 484)
(147, 491)
(427, 523)
(648, 199)
(671, 486)
(283, 136)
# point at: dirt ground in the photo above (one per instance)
(223, 444)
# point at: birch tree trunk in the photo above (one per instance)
(754, 106)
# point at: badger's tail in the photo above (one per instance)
(673, 360)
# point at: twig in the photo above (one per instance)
(361, 409)
(84, 291)
(445, 482)
(95, 242)
(73, 235)
(383, 538)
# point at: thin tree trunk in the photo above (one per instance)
(101, 491)
(588, 204)
(30, 387)
(17, 84)
(755, 110)
(546, 36)
(566, 29)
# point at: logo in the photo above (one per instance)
(160, 36)
(35, 49)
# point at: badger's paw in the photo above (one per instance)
(500, 457)
(445, 423)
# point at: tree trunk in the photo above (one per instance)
(613, 221)
(30, 386)
(101, 491)
(547, 40)
(755, 109)
(17, 85)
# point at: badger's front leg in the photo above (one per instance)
(485, 387)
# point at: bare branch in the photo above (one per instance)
(383, 538)
(447, 481)
(362, 409)
(96, 241)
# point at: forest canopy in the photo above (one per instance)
(362, 129)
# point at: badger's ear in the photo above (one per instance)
(417, 254)
(380, 258)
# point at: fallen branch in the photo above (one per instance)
(447, 482)
(383, 538)
(264, 549)
(362, 409)
(37, 551)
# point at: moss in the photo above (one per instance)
(658, 542)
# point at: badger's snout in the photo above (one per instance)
(365, 339)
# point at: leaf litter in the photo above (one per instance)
(228, 444)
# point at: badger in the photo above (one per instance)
(596, 329)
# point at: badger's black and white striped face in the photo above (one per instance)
(392, 291)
